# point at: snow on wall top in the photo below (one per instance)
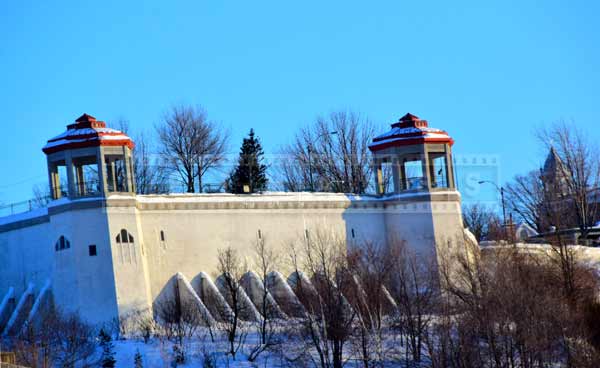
(87, 132)
(212, 198)
(23, 216)
(254, 197)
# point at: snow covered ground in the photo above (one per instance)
(159, 353)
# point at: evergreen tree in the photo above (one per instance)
(138, 360)
(107, 360)
(250, 169)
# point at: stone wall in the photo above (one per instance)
(142, 242)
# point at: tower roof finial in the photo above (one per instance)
(409, 117)
(85, 118)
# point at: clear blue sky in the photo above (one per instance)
(488, 72)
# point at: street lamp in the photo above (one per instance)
(501, 190)
(309, 149)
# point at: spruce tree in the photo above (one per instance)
(250, 169)
(107, 360)
(138, 360)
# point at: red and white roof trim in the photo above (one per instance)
(409, 130)
(87, 132)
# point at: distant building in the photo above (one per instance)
(555, 174)
(103, 251)
(558, 205)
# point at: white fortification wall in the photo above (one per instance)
(124, 277)
(79, 283)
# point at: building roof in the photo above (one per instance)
(553, 162)
(410, 130)
(87, 132)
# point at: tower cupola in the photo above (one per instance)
(87, 132)
(89, 159)
(413, 157)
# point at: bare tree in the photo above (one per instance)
(414, 285)
(372, 266)
(265, 260)
(482, 222)
(561, 196)
(503, 311)
(525, 197)
(328, 324)
(545, 203)
(190, 144)
(76, 344)
(329, 155)
(41, 196)
(577, 178)
(231, 270)
(140, 324)
(179, 319)
(34, 347)
(59, 339)
(150, 175)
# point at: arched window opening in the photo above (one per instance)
(62, 243)
(126, 249)
(124, 237)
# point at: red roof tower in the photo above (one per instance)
(87, 132)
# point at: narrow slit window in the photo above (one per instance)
(162, 236)
(353, 234)
(259, 234)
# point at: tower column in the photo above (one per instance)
(396, 175)
(127, 166)
(379, 177)
(102, 171)
(81, 184)
(426, 167)
(54, 180)
(70, 175)
(449, 169)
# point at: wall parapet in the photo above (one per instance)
(223, 202)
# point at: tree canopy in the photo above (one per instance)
(251, 171)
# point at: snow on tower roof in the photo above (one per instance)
(410, 130)
(87, 132)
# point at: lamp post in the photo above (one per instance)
(501, 190)
(309, 149)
